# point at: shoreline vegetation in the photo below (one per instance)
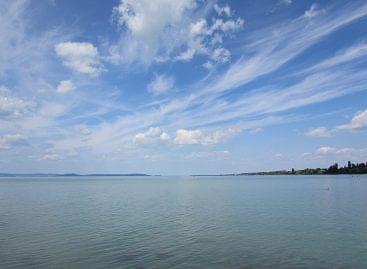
(349, 169)
(335, 169)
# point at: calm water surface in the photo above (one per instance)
(184, 222)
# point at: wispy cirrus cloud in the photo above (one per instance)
(10, 140)
(208, 105)
(263, 81)
(313, 11)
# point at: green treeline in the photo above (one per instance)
(350, 168)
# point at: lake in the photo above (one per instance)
(184, 222)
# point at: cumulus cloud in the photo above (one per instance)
(319, 132)
(189, 137)
(81, 57)
(149, 25)
(325, 150)
(206, 39)
(164, 30)
(9, 140)
(65, 86)
(153, 134)
(164, 136)
(359, 121)
(220, 55)
(11, 106)
(161, 84)
(225, 10)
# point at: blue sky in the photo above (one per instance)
(181, 87)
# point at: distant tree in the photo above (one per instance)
(293, 171)
(333, 169)
(349, 165)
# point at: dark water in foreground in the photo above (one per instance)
(183, 222)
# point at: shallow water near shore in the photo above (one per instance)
(184, 222)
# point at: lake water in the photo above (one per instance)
(184, 222)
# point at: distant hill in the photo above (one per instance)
(69, 175)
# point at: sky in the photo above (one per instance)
(181, 87)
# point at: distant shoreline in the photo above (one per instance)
(73, 175)
(349, 169)
(269, 174)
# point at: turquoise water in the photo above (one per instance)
(184, 222)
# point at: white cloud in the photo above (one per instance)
(185, 137)
(65, 86)
(359, 121)
(319, 132)
(208, 65)
(325, 150)
(81, 57)
(189, 137)
(26, 52)
(220, 55)
(225, 10)
(153, 132)
(342, 152)
(204, 104)
(139, 138)
(353, 53)
(205, 39)
(163, 30)
(152, 135)
(207, 104)
(161, 84)
(313, 11)
(164, 136)
(11, 106)
(226, 26)
(186, 55)
(150, 25)
(9, 140)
